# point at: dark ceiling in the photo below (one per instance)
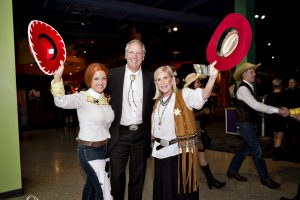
(109, 24)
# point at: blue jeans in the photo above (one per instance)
(248, 131)
(92, 188)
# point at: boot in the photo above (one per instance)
(211, 181)
(297, 197)
(205, 139)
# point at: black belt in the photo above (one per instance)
(164, 143)
(132, 127)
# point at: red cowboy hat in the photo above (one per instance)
(230, 42)
(46, 45)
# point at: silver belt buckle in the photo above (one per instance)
(133, 127)
(164, 143)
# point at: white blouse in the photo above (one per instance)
(165, 115)
(94, 120)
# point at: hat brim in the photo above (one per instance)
(191, 80)
(46, 46)
(241, 25)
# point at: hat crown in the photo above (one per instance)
(190, 76)
(230, 43)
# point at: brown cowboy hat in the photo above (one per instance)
(190, 78)
(238, 73)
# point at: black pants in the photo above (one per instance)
(130, 146)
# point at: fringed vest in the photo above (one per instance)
(186, 135)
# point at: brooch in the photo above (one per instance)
(102, 100)
(177, 112)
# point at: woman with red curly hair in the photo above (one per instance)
(95, 116)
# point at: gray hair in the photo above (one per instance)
(139, 42)
(169, 70)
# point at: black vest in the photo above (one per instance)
(244, 112)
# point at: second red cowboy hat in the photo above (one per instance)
(230, 42)
(46, 45)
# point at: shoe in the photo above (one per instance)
(214, 182)
(236, 175)
(270, 183)
(211, 180)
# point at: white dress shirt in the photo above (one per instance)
(244, 94)
(132, 105)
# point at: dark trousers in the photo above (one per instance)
(92, 188)
(250, 144)
(130, 146)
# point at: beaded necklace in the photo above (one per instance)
(162, 103)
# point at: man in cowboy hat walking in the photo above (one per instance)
(247, 107)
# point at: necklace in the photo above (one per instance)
(162, 103)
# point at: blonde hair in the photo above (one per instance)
(168, 69)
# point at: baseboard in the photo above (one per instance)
(11, 194)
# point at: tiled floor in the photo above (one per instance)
(51, 171)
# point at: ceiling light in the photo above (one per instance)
(175, 28)
(175, 53)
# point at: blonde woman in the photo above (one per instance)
(174, 135)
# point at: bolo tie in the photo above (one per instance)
(131, 92)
